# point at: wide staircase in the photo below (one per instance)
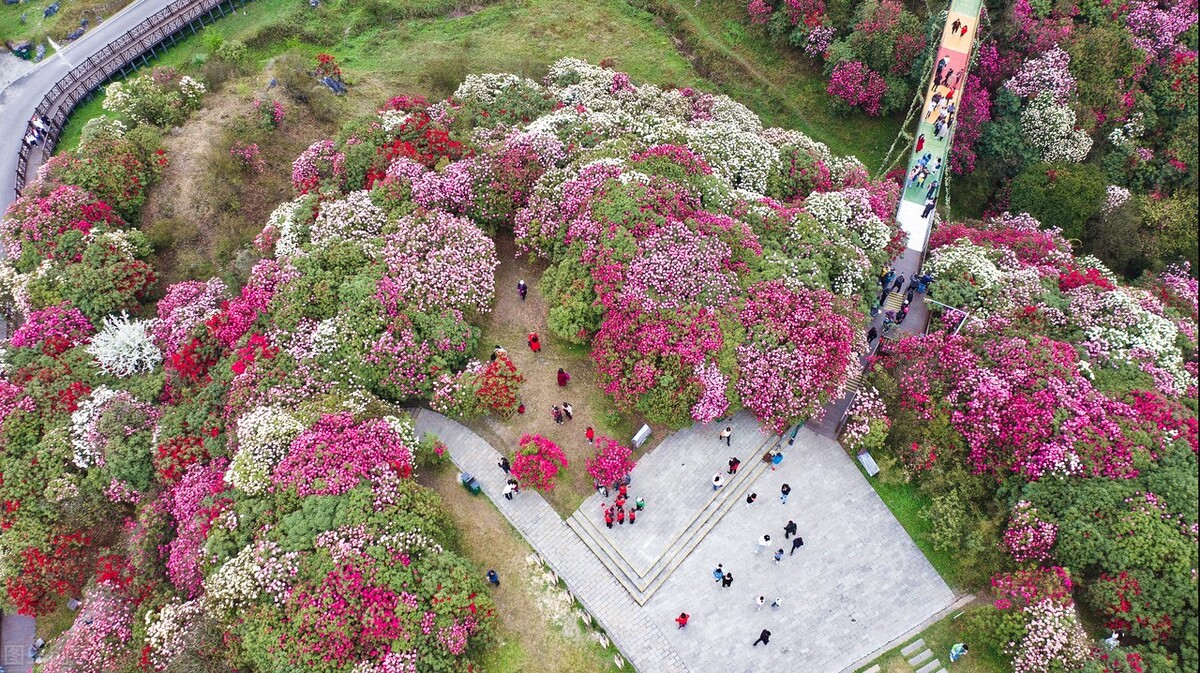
(642, 574)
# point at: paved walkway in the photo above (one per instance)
(857, 584)
(16, 636)
(20, 98)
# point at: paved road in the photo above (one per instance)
(20, 98)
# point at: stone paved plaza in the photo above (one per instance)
(858, 583)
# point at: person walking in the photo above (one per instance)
(522, 289)
(535, 344)
(632, 516)
(955, 26)
(913, 175)
(764, 638)
(718, 481)
(789, 530)
(639, 504)
(941, 66)
(762, 544)
(503, 464)
(759, 602)
(751, 498)
(608, 517)
(515, 485)
(920, 143)
(933, 189)
(727, 581)
(493, 578)
(734, 463)
(682, 619)
(776, 459)
(778, 556)
(898, 283)
(508, 491)
(563, 378)
(777, 602)
(557, 414)
(963, 32)
(784, 492)
(930, 204)
(797, 542)
(568, 410)
(590, 433)
(946, 79)
(957, 651)
(726, 434)
(621, 515)
(718, 573)
(872, 334)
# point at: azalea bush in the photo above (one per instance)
(537, 461)
(611, 463)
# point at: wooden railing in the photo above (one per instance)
(118, 58)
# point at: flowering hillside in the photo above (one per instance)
(1056, 435)
(224, 477)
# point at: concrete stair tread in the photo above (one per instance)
(914, 646)
(921, 657)
(873, 669)
(930, 667)
(641, 586)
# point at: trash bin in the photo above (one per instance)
(470, 483)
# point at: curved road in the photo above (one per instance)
(20, 98)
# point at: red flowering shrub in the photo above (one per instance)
(173, 456)
(59, 571)
(537, 461)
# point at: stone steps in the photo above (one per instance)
(914, 646)
(930, 667)
(643, 583)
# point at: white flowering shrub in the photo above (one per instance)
(486, 87)
(86, 447)
(259, 570)
(743, 159)
(263, 434)
(354, 218)
(966, 275)
(1049, 128)
(283, 223)
(159, 99)
(170, 630)
(124, 346)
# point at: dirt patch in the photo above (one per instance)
(509, 324)
(202, 214)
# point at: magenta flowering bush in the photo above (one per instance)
(53, 329)
(856, 85)
(798, 352)
(611, 463)
(437, 262)
(35, 226)
(337, 452)
(537, 461)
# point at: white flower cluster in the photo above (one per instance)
(169, 631)
(264, 435)
(258, 569)
(85, 451)
(123, 347)
(1119, 327)
(102, 128)
(404, 428)
(839, 166)
(1049, 128)
(391, 120)
(354, 218)
(963, 259)
(1125, 134)
(192, 90)
(1115, 196)
(486, 87)
(742, 158)
(283, 220)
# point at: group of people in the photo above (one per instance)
(617, 512)
(36, 132)
(890, 282)
(922, 171)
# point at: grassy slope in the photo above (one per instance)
(939, 638)
(36, 28)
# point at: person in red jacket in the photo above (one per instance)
(682, 619)
(590, 434)
(920, 142)
(563, 378)
(535, 344)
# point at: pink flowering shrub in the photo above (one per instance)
(193, 503)
(797, 353)
(320, 163)
(536, 462)
(1029, 538)
(437, 262)
(52, 330)
(856, 85)
(185, 306)
(611, 463)
(34, 225)
(99, 640)
(337, 453)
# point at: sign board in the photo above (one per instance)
(641, 436)
(868, 464)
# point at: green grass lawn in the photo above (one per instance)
(25, 20)
(386, 53)
(907, 504)
(956, 628)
